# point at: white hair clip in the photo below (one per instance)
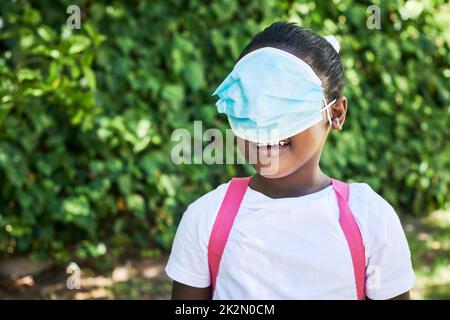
(334, 42)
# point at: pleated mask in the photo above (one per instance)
(271, 95)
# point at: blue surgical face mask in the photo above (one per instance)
(271, 95)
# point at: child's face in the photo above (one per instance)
(303, 149)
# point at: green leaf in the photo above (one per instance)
(79, 44)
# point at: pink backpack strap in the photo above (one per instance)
(222, 226)
(352, 234)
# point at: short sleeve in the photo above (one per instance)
(188, 260)
(389, 270)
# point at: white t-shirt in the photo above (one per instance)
(293, 248)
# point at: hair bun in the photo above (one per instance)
(334, 42)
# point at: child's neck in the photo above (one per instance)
(306, 180)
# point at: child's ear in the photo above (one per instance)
(338, 113)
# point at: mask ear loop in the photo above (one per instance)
(327, 109)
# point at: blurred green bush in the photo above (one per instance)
(86, 115)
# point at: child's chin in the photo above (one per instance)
(270, 173)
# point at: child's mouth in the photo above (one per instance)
(273, 149)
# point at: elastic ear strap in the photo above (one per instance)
(222, 225)
(327, 109)
(329, 117)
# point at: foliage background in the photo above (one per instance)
(86, 115)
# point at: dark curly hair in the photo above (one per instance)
(317, 52)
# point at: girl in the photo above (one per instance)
(291, 232)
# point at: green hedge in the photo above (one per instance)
(86, 115)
